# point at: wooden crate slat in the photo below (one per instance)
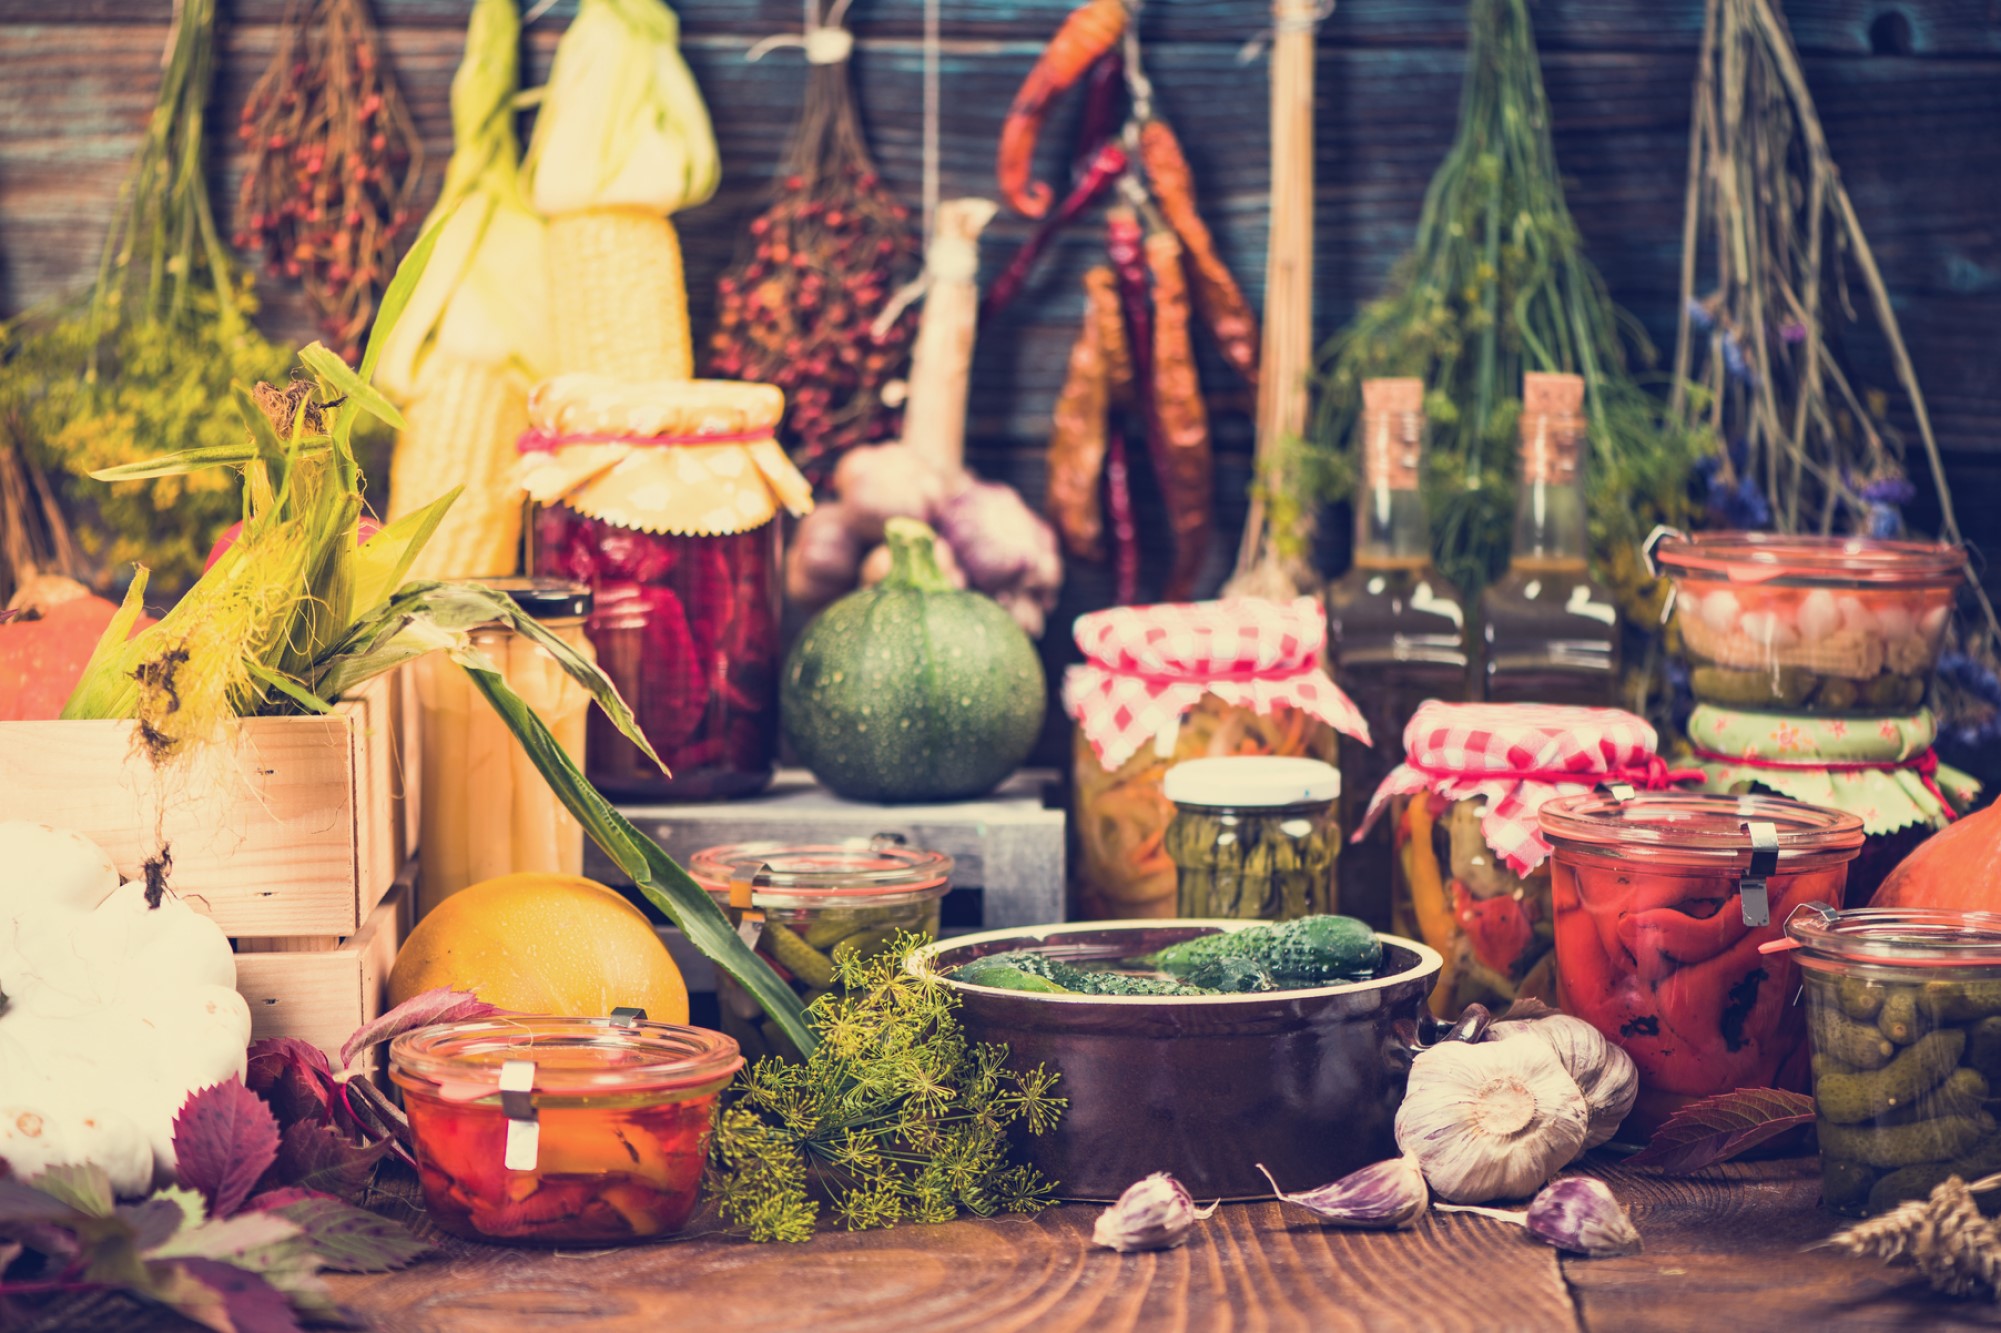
(302, 988)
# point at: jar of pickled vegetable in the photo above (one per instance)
(814, 906)
(486, 810)
(1471, 872)
(664, 498)
(561, 1130)
(1253, 836)
(1903, 1009)
(1162, 685)
(1663, 902)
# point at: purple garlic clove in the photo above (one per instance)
(1155, 1214)
(1386, 1196)
(1581, 1215)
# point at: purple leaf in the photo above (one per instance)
(320, 1158)
(353, 1240)
(225, 1137)
(292, 1076)
(271, 1201)
(442, 1005)
(152, 1220)
(224, 1298)
(1718, 1128)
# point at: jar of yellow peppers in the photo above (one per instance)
(1160, 685)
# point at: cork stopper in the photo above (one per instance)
(1552, 427)
(1392, 427)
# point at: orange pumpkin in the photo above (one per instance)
(45, 647)
(1958, 867)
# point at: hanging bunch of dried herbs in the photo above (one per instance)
(144, 361)
(1496, 284)
(335, 160)
(894, 1117)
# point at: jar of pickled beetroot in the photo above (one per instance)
(1810, 624)
(1662, 903)
(813, 907)
(561, 1130)
(1903, 1007)
(664, 498)
(1470, 875)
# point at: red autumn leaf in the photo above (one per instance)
(292, 1076)
(1718, 1128)
(320, 1158)
(441, 1005)
(225, 1137)
(352, 1240)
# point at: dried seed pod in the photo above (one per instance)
(1155, 1214)
(1581, 1215)
(1490, 1120)
(1604, 1073)
(1388, 1195)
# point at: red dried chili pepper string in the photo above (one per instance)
(1106, 166)
(1119, 512)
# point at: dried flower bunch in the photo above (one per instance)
(335, 159)
(1945, 1237)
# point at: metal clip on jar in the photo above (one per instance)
(1903, 1006)
(811, 905)
(559, 1130)
(1663, 901)
(1253, 836)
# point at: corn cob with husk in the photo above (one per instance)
(474, 338)
(622, 141)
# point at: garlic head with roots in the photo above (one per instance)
(1602, 1070)
(1490, 1120)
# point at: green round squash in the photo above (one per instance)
(912, 690)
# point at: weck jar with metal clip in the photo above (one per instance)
(1663, 901)
(808, 907)
(541, 1130)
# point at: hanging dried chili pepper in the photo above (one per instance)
(1090, 31)
(1125, 528)
(1101, 301)
(1077, 439)
(1178, 436)
(1103, 100)
(335, 159)
(1125, 246)
(1106, 166)
(1218, 298)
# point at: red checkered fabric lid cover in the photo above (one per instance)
(1145, 666)
(1516, 756)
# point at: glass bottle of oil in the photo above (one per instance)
(1396, 630)
(1550, 631)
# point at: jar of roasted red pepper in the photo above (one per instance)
(559, 1130)
(1470, 875)
(664, 497)
(1662, 901)
(813, 906)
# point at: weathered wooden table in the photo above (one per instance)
(1723, 1252)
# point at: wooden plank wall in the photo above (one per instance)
(1910, 91)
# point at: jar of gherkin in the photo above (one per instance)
(809, 907)
(1253, 836)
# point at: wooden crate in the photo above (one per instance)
(302, 838)
(322, 988)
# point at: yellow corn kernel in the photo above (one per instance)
(618, 302)
(463, 425)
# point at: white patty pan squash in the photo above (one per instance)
(113, 1011)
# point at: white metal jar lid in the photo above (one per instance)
(1252, 781)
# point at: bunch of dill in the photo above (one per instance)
(895, 1116)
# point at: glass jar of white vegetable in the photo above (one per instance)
(1253, 836)
(486, 810)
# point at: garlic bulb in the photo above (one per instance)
(1491, 1120)
(1604, 1073)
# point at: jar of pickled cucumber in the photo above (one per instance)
(813, 907)
(1903, 1012)
(1253, 836)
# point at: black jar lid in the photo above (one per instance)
(544, 599)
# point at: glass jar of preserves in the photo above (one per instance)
(1882, 769)
(1841, 625)
(486, 810)
(1663, 903)
(541, 1130)
(1903, 1010)
(664, 498)
(1162, 685)
(1253, 836)
(1471, 872)
(814, 906)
